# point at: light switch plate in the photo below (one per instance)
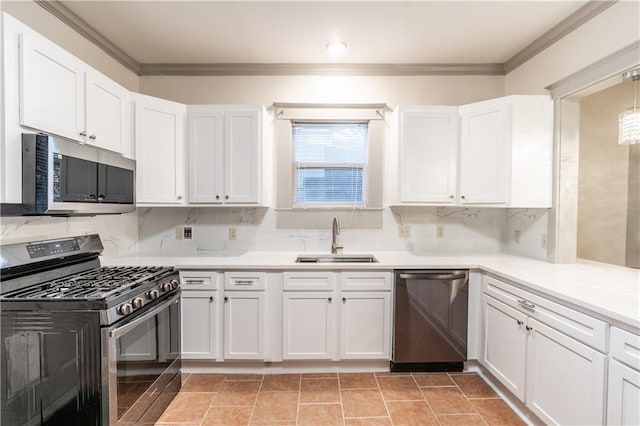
(404, 231)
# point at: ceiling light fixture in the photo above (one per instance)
(629, 129)
(336, 47)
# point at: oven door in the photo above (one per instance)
(141, 362)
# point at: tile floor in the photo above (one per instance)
(337, 399)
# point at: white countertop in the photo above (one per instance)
(608, 290)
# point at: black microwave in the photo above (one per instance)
(61, 177)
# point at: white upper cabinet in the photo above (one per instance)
(107, 114)
(61, 95)
(506, 152)
(428, 145)
(225, 155)
(160, 143)
(51, 88)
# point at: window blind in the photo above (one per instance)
(329, 163)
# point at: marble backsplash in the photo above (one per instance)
(466, 230)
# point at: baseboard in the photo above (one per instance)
(291, 367)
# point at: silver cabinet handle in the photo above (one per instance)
(83, 133)
(329, 299)
(427, 276)
(243, 282)
(451, 196)
(210, 299)
(226, 197)
(529, 328)
(92, 137)
(226, 299)
(519, 322)
(526, 304)
(344, 300)
(179, 197)
(463, 197)
(194, 281)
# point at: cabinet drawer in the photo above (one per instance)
(308, 280)
(364, 280)
(244, 280)
(581, 327)
(625, 347)
(198, 280)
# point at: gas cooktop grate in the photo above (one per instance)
(96, 284)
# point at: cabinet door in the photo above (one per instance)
(308, 325)
(428, 155)
(159, 150)
(365, 325)
(484, 153)
(623, 396)
(242, 143)
(505, 345)
(199, 325)
(206, 156)
(107, 113)
(51, 88)
(244, 325)
(565, 379)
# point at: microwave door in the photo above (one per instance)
(115, 184)
(78, 179)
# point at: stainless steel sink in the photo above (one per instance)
(337, 258)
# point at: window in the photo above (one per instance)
(329, 164)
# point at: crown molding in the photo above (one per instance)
(573, 21)
(558, 31)
(63, 13)
(320, 69)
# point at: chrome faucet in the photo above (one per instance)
(335, 248)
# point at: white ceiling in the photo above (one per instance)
(428, 32)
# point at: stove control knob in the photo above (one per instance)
(174, 283)
(125, 309)
(153, 294)
(166, 287)
(137, 302)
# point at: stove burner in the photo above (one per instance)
(95, 284)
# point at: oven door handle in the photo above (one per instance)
(119, 331)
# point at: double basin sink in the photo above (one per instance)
(337, 258)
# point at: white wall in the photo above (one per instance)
(615, 28)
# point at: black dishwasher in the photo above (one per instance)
(430, 320)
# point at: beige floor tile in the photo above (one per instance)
(496, 412)
(399, 388)
(203, 383)
(275, 406)
(231, 416)
(411, 413)
(184, 377)
(358, 381)
(473, 386)
(433, 379)
(237, 393)
(319, 391)
(460, 419)
(363, 403)
(447, 400)
(187, 407)
(319, 375)
(375, 421)
(320, 415)
(281, 382)
(243, 376)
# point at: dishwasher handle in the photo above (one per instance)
(432, 276)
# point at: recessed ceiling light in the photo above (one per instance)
(336, 47)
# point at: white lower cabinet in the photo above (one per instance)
(308, 324)
(565, 379)
(623, 399)
(558, 378)
(505, 345)
(365, 325)
(244, 325)
(199, 325)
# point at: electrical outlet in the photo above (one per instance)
(543, 241)
(440, 231)
(233, 233)
(187, 232)
(404, 231)
(516, 236)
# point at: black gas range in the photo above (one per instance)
(106, 339)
